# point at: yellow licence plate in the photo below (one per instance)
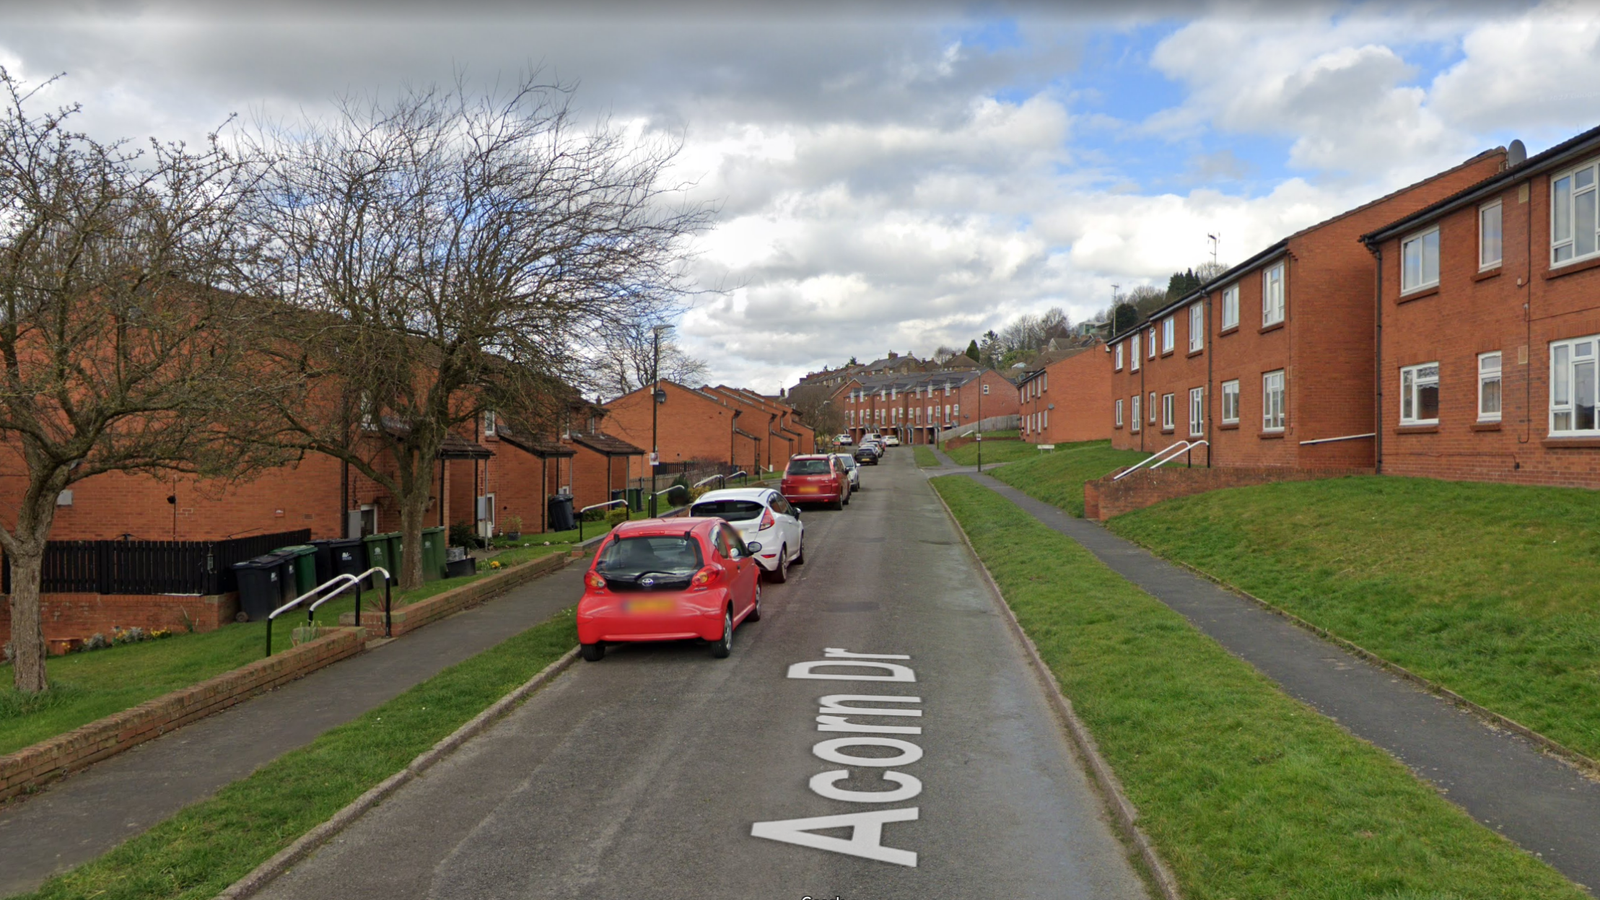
(646, 607)
(807, 489)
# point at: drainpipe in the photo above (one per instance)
(1205, 329)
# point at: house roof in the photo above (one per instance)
(1049, 358)
(600, 442)
(457, 447)
(536, 446)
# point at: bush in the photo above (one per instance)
(461, 536)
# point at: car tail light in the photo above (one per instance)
(703, 578)
(595, 580)
(767, 521)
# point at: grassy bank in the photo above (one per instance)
(89, 686)
(995, 450)
(1487, 589)
(1057, 478)
(211, 844)
(925, 457)
(1246, 793)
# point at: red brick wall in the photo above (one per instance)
(1073, 393)
(69, 616)
(691, 426)
(1104, 498)
(589, 484)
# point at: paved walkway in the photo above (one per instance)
(83, 816)
(1500, 779)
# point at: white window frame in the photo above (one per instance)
(1169, 412)
(1169, 334)
(1486, 262)
(1152, 407)
(1197, 327)
(1133, 355)
(1274, 399)
(1486, 375)
(1230, 306)
(955, 410)
(1565, 365)
(1273, 304)
(1135, 410)
(1558, 242)
(1152, 342)
(1424, 279)
(489, 423)
(1412, 380)
(1230, 402)
(1197, 411)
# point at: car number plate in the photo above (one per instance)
(807, 489)
(648, 606)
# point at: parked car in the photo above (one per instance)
(815, 478)
(669, 579)
(867, 454)
(851, 468)
(891, 440)
(760, 514)
(843, 440)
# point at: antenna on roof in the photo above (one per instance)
(1216, 240)
(1516, 154)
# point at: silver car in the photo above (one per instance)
(851, 466)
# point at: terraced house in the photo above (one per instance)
(926, 407)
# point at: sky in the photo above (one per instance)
(897, 176)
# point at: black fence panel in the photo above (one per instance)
(150, 567)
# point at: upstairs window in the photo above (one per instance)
(1489, 387)
(1272, 296)
(1230, 307)
(1169, 331)
(1490, 247)
(1133, 353)
(1152, 343)
(1119, 357)
(1197, 327)
(1573, 388)
(489, 423)
(1573, 224)
(1419, 394)
(1419, 261)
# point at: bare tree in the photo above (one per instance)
(812, 404)
(125, 342)
(626, 360)
(944, 354)
(449, 253)
(1209, 270)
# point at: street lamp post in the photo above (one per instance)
(982, 389)
(656, 399)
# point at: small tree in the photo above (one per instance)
(972, 350)
(125, 344)
(626, 360)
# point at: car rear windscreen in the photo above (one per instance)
(809, 467)
(732, 510)
(670, 554)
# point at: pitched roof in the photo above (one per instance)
(536, 446)
(600, 442)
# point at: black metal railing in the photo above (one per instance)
(149, 567)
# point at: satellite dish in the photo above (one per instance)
(1516, 154)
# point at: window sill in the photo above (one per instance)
(1270, 435)
(1194, 353)
(1487, 274)
(1231, 329)
(1571, 443)
(1417, 429)
(1166, 353)
(1168, 430)
(1485, 426)
(1417, 294)
(1273, 327)
(1569, 268)
(1228, 426)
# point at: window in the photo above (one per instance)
(947, 412)
(1135, 417)
(955, 410)
(1167, 413)
(1230, 402)
(1572, 387)
(1419, 261)
(1272, 401)
(488, 423)
(1152, 407)
(1133, 353)
(1197, 411)
(1152, 343)
(1197, 327)
(1489, 242)
(1489, 387)
(1419, 394)
(1573, 225)
(1272, 296)
(1169, 331)
(1230, 307)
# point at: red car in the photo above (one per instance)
(669, 580)
(816, 478)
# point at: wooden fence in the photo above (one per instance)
(150, 567)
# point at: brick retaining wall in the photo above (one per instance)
(1104, 498)
(416, 615)
(70, 616)
(48, 760)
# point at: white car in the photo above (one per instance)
(890, 440)
(853, 467)
(760, 514)
(843, 440)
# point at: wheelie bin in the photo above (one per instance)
(260, 586)
(305, 566)
(433, 555)
(377, 547)
(561, 513)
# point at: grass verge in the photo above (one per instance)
(211, 844)
(1486, 589)
(89, 686)
(1057, 478)
(924, 457)
(995, 450)
(1246, 792)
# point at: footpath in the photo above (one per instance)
(89, 813)
(1501, 779)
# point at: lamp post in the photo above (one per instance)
(657, 397)
(982, 389)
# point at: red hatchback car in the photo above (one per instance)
(669, 580)
(816, 478)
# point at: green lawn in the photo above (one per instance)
(1058, 477)
(995, 450)
(1487, 589)
(1246, 792)
(206, 847)
(925, 457)
(89, 686)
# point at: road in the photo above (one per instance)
(644, 775)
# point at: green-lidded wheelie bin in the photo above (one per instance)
(378, 555)
(305, 566)
(636, 499)
(433, 555)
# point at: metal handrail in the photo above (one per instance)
(1346, 437)
(740, 474)
(710, 478)
(595, 506)
(1159, 458)
(1189, 447)
(333, 587)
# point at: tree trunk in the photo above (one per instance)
(413, 513)
(27, 619)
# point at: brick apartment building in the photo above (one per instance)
(1271, 362)
(725, 427)
(1062, 398)
(1489, 345)
(921, 406)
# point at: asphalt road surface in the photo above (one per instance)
(646, 774)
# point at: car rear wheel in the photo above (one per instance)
(592, 652)
(837, 504)
(755, 608)
(780, 574)
(722, 648)
(800, 555)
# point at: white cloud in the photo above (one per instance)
(1540, 70)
